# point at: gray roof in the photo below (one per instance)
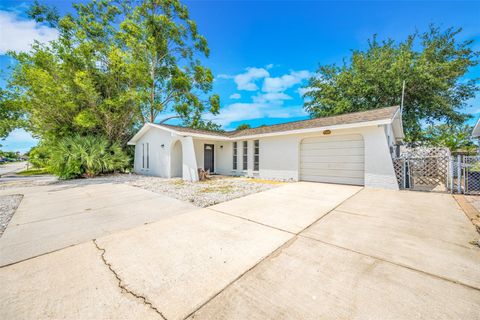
(348, 118)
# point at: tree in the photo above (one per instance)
(113, 67)
(454, 137)
(10, 114)
(432, 64)
(162, 42)
(243, 126)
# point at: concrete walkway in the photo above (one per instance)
(300, 251)
(53, 217)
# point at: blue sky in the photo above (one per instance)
(262, 52)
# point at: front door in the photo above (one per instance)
(208, 157)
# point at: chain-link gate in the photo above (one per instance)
(471, 174)
(424, 169)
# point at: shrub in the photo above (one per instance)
(86, 156)
(38, 156)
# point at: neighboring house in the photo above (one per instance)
(355, 148)
(476, 130)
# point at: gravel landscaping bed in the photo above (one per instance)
(8, 205)
(202, 194)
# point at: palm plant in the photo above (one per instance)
(86, 156)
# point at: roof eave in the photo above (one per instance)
(315, 129)
(476, 129)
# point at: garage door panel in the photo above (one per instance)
(324, 139)
(332, 152)
(334, 159)
(330, 159)
(332, 145)
(359, 166)
(341, 180)
(333, 173)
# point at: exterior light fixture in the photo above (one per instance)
(163, 146)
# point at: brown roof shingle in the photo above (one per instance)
(348, 118)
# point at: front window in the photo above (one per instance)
(245, 155)
(234, 156)
(256, 155)
(148, 156)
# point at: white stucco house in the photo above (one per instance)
(355, 148)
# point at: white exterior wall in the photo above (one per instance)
(279, 155)
(159, 157)
(222, 152)
(379, 172)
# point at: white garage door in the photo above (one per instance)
(335, 159)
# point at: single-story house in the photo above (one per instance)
(355, 148)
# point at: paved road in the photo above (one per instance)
(12, 167)
(300, 251)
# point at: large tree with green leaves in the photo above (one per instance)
(115, 65)
(162, 41)
(453, 137)
(433, 65)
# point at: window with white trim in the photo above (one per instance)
(256, 155)
(143, 155)
(245, 155)
(148, 155)
(235, 152)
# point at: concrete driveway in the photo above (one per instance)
(300, 251)
(53, 217)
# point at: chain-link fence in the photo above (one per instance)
(434, 169)
(424, 169)
(471, 174)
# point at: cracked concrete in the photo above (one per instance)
(182, 262)
(72, 283)
(122, 286)
(373, 254)
(50, 218)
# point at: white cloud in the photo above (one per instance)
(279, 84)
(248, 111)
(246, 81)
(273, 97)
(18, 34)
(302, 91)
(270, 103)
(269, 66)
(235, 96)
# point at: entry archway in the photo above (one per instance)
(176, 160)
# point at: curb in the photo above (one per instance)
(470, 211)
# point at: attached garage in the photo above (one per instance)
(333, 159)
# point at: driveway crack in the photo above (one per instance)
(122, 286)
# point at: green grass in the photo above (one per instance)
(33, 172)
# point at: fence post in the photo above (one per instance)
(404, 174)
(451, 174)
(459, 173)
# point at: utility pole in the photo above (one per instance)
(403, 96)
(166, 119)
